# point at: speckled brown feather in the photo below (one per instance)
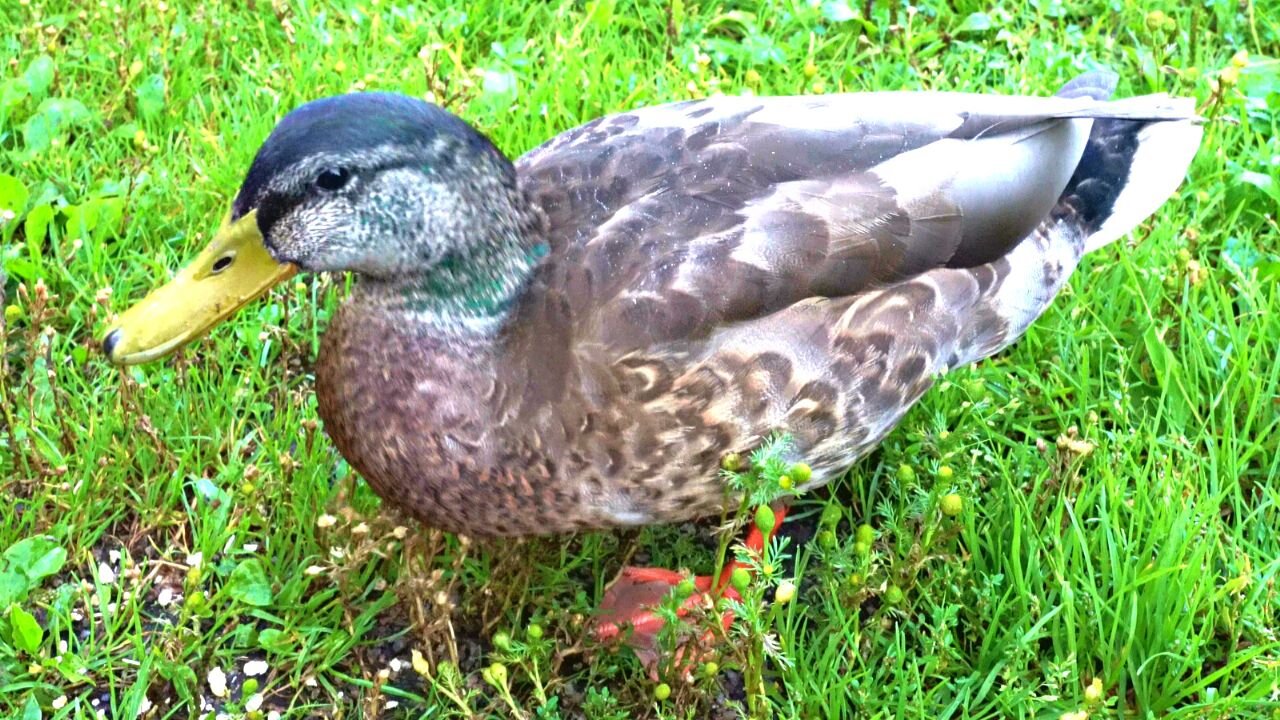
(718, 272)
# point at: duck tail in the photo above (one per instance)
(1138, 153)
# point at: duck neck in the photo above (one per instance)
(467, 293)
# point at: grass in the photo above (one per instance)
(1117, 551)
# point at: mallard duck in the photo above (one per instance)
(575, 340)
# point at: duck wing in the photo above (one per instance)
(669, 222)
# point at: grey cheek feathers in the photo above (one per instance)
(380, 228)
(406, 209)
(313, 236)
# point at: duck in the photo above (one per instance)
(575, 340)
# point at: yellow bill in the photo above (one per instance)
(232, 270)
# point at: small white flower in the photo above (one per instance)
(326, 521)
(253, 703)
(165, 597)
(218, 682)
(59, 702)
(314, 570)
(251, 547)
(254, 668)
(195, 559)
(106, 575)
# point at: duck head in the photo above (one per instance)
(382, 185)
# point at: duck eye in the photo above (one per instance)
(333, 179)
(221, 264)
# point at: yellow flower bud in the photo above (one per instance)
(785, 593)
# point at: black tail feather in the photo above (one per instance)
(1102, 174)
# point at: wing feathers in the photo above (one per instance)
(734, 208)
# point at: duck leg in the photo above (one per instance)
(627, 610)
